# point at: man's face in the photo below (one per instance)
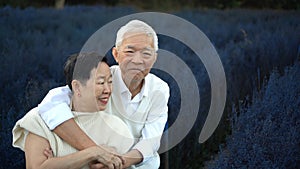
(135, 56)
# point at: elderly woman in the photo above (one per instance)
(90, 80)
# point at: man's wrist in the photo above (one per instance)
(133, 157)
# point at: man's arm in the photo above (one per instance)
(132, 157)
(149, 143)
(70, 132)
(56, 113)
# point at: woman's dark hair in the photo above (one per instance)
(79, 66)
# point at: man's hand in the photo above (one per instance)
(99, 165)
(113, 151)
(132, 157)
(109, 158)
(96, 165)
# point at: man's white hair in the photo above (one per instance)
(136, 26)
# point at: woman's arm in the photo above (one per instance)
(35, 158)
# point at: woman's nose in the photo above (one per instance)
(107, 88)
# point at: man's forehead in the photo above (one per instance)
(139, 33)
(137, 37)
(137, 41)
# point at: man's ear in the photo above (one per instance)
(76, 87)
(155, 56)
(115, 54)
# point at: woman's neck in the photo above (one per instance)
(77, 105)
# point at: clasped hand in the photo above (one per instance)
(105, 157)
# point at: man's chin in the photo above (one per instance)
(137, 79)
(134, 72)
(135, 76)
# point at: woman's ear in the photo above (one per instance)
(76, 87)
(115, 54)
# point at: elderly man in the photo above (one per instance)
(139, 98)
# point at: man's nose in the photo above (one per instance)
(137, 57)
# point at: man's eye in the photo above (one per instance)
(147, 53)
(100, 83)
(129, 51)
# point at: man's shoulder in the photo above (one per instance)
(114, 68)
(156, 83)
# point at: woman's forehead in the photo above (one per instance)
(102, 70)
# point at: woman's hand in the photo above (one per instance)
(48, 152)
(96, 165)
(107, 157)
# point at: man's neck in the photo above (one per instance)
(134, 90)
(135, 87)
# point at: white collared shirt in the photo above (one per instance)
(130, 104)
(148, 108)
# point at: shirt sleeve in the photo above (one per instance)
(54, 109)
(149, 143)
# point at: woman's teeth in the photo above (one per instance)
(103, 99)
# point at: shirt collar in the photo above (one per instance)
(122, 88)
(145, 88)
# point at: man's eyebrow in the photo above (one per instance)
(148, 48)
(132, 47)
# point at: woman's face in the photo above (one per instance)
(97, 90)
